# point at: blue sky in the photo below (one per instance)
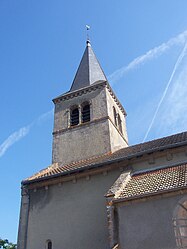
(141, 47)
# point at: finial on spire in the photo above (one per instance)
(87, 32)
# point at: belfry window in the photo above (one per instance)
(119, 124)
(75, 116)
(86, 113)
(115, 116)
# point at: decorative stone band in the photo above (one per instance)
(88, 123)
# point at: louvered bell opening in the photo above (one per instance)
(75, 117)
(86, 113)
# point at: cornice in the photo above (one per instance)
(70, 95)
(115, 99)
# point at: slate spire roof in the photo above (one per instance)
(89, 70)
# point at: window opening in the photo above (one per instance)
(86, 113)
(49, 244)
(180, 225)
(75, 117)
(119, 123)
(115, 115)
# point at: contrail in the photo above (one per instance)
(182, 54)
(21, 133)
(151, 54)
(13, 138)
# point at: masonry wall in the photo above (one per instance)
(148, 224)
(90, 139)
(159, 159)
(97, 99)
(72, 215)
(86, 139)
(117, 141)
(120, 138)
(81, 143)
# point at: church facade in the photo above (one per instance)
(100, 192)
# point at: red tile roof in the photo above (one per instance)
(57, 169)
(149, 183)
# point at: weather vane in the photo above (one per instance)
(87, 32)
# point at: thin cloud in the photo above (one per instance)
(151, 54)
(180, 58)
(13, 138)
(44, 117)
(22, 132)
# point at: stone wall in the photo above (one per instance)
(94, 138)
(148, 224)
(72, 215)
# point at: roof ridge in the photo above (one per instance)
(154, 140)
(86, 160)
(122, 185)
(161, 138)
(172, 141)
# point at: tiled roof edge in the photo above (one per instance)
(108, 161)
(125, 199)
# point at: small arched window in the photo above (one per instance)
(49, 244)
(180, 224)
(86, 112)
(115, 115)
(119, 124)
(75, 116)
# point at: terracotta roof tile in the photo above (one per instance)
(128, 152)
(152, 182)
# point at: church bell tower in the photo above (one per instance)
(89, 121)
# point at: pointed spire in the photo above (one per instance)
(89, 70)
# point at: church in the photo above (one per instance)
(100, 192)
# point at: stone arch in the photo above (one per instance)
(180, 223)
(49, 244)
(74, 115)
(115, 116)
(85, 106)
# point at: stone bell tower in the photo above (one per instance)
(89, 121)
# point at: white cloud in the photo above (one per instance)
(151, 54)
(21, 133)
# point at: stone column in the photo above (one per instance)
(68, 113)
(23, 221)
(80, 114)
